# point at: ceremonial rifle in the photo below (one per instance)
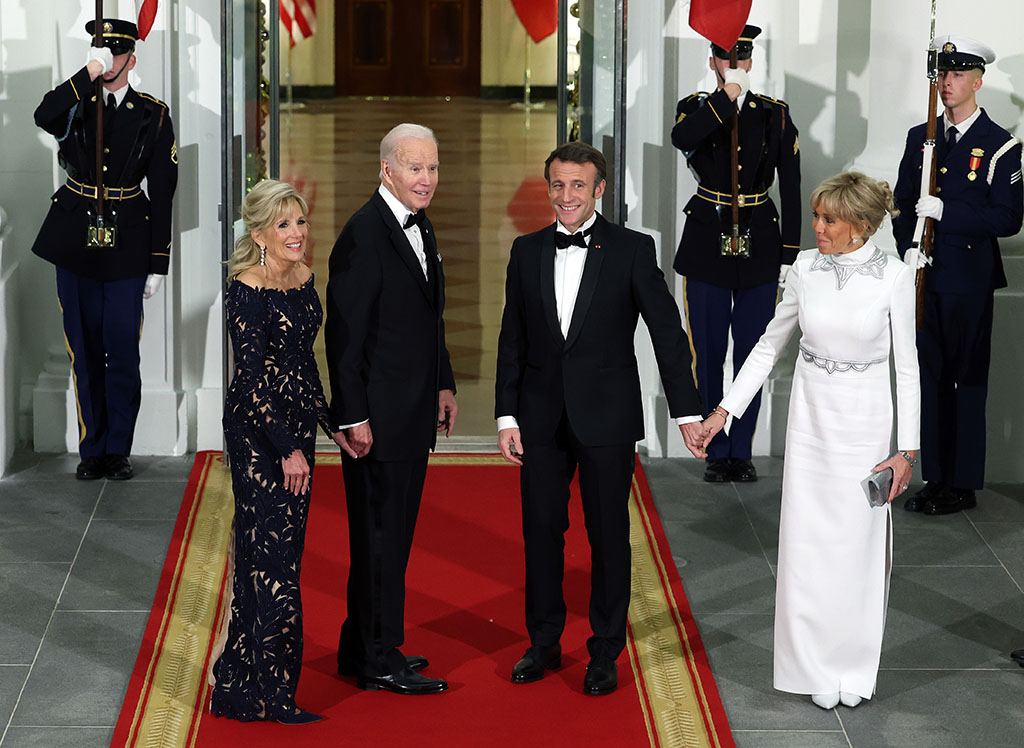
(733, 244)
(99, 235)
(924, 231)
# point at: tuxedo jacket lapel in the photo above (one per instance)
(591, 270)
(400, 243)
(547, 281)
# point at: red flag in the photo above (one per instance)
(540, 17)
(298, 18)
(147, 14)
(719, 21)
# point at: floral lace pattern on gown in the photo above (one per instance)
(272, 408)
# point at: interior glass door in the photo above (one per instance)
(592, 78)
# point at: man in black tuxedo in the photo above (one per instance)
(392, 390)
(567, 396)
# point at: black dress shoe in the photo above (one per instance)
(534, 662)
(743, 471)
(601, 677)
(299, 717)
(718, 471)
(956, 501)
(90, 468)
(932, 490)
(405, 681)
(1017, 656)
(413, 662)
(118, 467)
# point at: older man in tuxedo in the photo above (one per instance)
(568, 397)
(392, 390)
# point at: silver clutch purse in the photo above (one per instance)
(877, 486)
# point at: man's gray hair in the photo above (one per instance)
(405, 130)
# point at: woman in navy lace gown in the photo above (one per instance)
(271, 412)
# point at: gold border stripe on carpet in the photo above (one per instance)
(672, 689)
(175, 677)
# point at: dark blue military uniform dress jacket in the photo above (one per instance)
(768, 145)
(139, 144)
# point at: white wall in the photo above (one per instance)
(853, 73)
(42, 44)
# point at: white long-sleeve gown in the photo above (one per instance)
(835, 551)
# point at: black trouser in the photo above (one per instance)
(383, 499)
(954, 346)
(606, 475)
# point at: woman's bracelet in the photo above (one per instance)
(718, 411)
(906, 456)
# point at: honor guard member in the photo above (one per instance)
(103, 276)
(734, 287)
(978, 197)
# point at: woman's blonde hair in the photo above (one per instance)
(856, 199)
(264, 204)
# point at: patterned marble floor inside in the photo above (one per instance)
(491, 189)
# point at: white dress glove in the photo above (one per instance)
(740, 78)
(929, 206)
(783, 272)
(102, 55)
(915, 259)
(153, 283)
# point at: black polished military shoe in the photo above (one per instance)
(413, 662)
(718, 471)
(956, 501)
(534, 662)
(118, 467)
(90, 468)
(934, 489)
(743, 471)
(406, 681)
(1017, 656)
(601, 678)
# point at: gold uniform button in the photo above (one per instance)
(104, 167)
(938, 189)
(942, 170)
(106, 150)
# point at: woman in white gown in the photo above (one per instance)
(835, 550)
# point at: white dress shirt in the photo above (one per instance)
(569, 263)
(961, 127)
(413, 232)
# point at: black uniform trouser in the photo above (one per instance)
(954, 346)
(712, 313)
(102, 328)
(383, 500)
(606, 475)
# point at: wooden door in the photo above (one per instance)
(407, 48)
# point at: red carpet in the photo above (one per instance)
(464, 611)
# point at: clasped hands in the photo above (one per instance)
(698, 434)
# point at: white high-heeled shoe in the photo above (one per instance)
(849, 699)
(825, 700)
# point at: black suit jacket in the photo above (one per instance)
(979, 182)
(768, 146)
(139, 143)
(591, 374)
(384, 334)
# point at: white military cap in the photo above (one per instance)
(961, 53)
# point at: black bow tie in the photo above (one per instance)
(414, 219)
(564, 241)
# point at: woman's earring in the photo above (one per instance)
(263, 255)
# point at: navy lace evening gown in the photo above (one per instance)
(272, 408)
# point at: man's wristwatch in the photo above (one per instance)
(906, 456)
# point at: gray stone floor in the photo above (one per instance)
(956, 608)
(79, 564)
